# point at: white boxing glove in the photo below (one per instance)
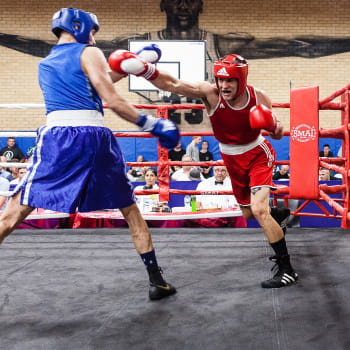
(150, 53)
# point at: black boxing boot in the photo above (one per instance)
(285, 275)
(158, 288)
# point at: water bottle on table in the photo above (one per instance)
(193, 203)
(187, 202)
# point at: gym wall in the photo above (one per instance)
(267, 19)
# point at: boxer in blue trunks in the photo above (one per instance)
(77, 162)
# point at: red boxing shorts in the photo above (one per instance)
(250, 169)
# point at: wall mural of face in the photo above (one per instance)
(182, 14)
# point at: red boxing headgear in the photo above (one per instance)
(232, 66)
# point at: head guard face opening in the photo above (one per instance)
(232, 66)
(76, 22)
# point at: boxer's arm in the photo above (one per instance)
(95, 67)
(126, 62)
(264, 118)
(150, 53)
(166, 82)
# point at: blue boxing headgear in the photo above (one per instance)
(76, 22)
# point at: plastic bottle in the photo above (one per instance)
(187, 202)
(193, 203)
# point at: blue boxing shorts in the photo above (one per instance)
(76, 168)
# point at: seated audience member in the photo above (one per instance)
(192, 148)
(20, 174)
(325, 175)
(11, 151)
(137, 171)
(206, 171)
(146, 201)
(3, 172)
(13, 170)
(175, 155)
(219, 182)
(205, 156)
(326, 151)
(195, 175)
(4, 187)
(183, 174)
(282, 173)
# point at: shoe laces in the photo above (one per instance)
(277, 266)
(157, 278)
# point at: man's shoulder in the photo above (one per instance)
(177, 173)
(206, 182)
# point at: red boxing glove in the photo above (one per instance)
(125, 62)
(261, 117)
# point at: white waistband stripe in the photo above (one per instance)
(233, 150)
(74, 118)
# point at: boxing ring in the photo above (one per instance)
(87, 289)
(304, 147)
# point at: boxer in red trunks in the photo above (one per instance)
(238, 112)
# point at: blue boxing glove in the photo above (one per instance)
(166, 130)
(150, 53)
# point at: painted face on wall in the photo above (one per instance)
(182, 14)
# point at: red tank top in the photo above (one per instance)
(231, 126)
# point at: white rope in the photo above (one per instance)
(46, 214)
(22, 105)
(117, 215)
(18, 134)
(13, 165)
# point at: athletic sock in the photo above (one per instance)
(149, 259)
(280, 247)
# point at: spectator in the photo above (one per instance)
(326, 151)
(195, 175)
(219, 182)
(14, 170)
(20, 173)
(136, 171)
(3, 172)
(328, 154)
(205, 156)
(11, 150)
(183, 174)
(282, 173)
(146, 202)
(325, 175)
(176, 155)
(4, 187)
(192, 148)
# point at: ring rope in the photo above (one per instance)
(339, 165)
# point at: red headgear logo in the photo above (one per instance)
(303, 133)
